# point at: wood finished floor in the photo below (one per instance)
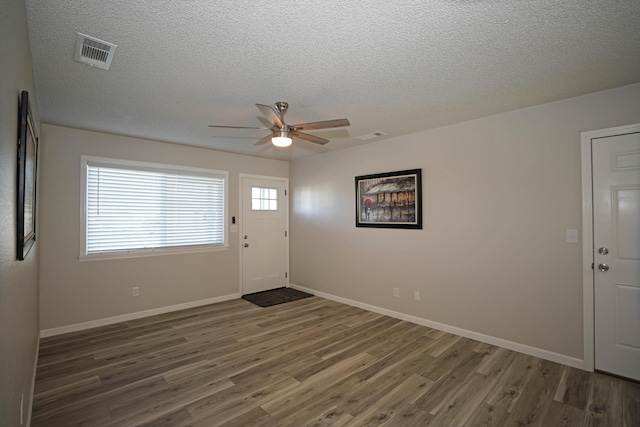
(312, 362)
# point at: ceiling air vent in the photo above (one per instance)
(94, 52)
(372, 135)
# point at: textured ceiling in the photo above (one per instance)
(396, 66)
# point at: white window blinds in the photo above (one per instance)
(137, 209)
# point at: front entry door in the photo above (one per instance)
(264, 234)
(616, 240)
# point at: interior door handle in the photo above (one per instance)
(246, 245)
(603, 267)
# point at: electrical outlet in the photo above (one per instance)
(135, 291)
(396, 292)
(416, 295)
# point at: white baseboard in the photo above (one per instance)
(509, 345)
(33, 383)
(131, 316)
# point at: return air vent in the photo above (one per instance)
(94, 52)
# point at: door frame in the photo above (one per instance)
(588, 273)
(284, 180)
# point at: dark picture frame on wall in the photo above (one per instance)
(27, 178)
(390, 200)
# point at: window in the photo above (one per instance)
(135, 208)
(264, 199)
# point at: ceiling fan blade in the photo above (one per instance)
(238, 127)
(270, 114)
(335, 123)
(264, 140)
(310, 138)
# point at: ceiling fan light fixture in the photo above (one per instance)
(281, 138)
(281, 133)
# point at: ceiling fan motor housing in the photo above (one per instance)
(282, 133)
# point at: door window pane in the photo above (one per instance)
(264, 199)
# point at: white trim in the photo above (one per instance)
(285, 180)
(33, 382)
(587, 236)
(151, 252)
(510, 345)
(131, 316)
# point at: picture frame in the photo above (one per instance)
(27, 178)
(390, 200)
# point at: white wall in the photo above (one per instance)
(499, 194)
(75, 292)
(18, 279)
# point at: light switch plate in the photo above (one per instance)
(572, 236)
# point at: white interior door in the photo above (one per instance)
(616, 240)
(264, 234)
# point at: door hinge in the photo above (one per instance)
(592, 265)
(285, 192)
(285, 233)
(286, 275)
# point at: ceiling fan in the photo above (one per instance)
(282, 133)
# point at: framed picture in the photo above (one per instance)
(389, 200)
(27, 177)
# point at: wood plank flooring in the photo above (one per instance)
(312, 362)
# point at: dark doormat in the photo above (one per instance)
(275, 296)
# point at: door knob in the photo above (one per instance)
(603, 267)
(603, 251)
(246, 245)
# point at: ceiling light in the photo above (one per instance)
(281, 138)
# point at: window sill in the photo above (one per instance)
(150, 253)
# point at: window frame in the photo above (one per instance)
(136, 253)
